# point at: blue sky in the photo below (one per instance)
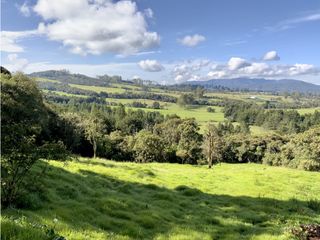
(168, 41)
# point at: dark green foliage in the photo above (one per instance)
(189, 148)
(5, 71)
(283, 121)
(24, 119)
(185, 99)
(303, 151)
(156, 105)
(148, 147)
(210, 109)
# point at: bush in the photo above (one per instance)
(210, 109)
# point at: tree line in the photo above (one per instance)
(282, 121)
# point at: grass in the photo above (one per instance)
(99, 89)
(303, 111)
(200, 113)
(258, 131)
(99, 199)
(64, 93)
(46, 80)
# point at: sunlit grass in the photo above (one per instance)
(99, 199)
(99, 89)
(307, 110)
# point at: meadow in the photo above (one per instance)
(100, 199)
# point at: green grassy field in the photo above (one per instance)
(65, 94)
(307, 110)
(258, 131)
(99, 199)
(46, 80)
(200, 113)
(99, 89)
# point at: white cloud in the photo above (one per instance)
(258, 69)
(24, 9)
(271, 56)
(10, 39)
(150, 65)
(307, 18)
(148, 13)
(293, 22)
(235, 63)
(16, 63)
(298, 69)
(187, 71)
(216, 74)
(96, 26)
(192, 41)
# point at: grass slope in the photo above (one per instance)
(99, 199)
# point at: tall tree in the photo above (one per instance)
(93, 127)
(212, 145)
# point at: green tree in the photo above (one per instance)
(210, 109)
(94, 129)
(156, 105)
(188, 148)
(24, 117)
(185, 99)
(212, 145)
(148, 147)
(199, 92)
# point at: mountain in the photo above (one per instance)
(259, 84)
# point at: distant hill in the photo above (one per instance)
(65, 76)
(259, 84)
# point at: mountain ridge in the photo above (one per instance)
(259, 84)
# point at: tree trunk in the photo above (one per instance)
(209, 162)
(94, 149)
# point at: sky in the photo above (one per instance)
(168, 41)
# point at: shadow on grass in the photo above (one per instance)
(88, 201)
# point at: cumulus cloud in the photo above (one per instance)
(259, 69)
(188, 70)
(217, 74)
(271, 56)
(235, 63)
(298, 69)
(96, 26)
(150, 65)
(16, 63)
(192, 41)
(10, 39)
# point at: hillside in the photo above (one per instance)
(99, 199)
(259, 84)
(64, 76)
